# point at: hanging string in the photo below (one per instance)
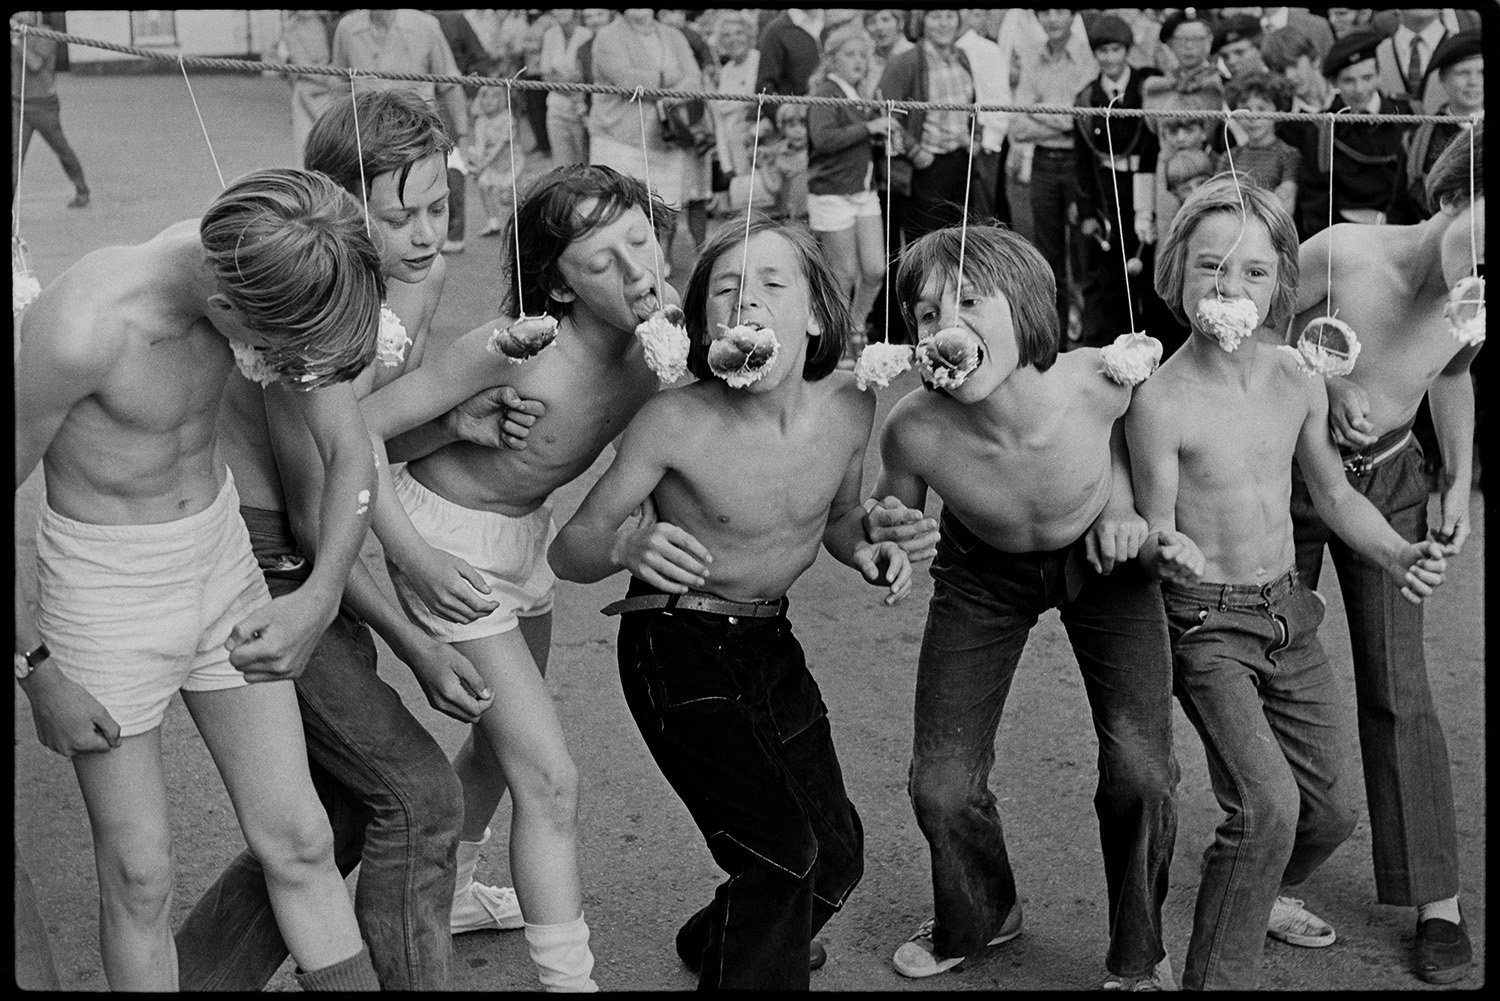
(15, 208)
(1238, 194)
(1328, 300)
(515, 199)
(963, 232)
(183, 66)
(1114, 180)
(640, 107)
(359, 148)
(890, 112)
(739, 306)
(1473, 240)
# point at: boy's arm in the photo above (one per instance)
(1151, 438)
(1417, 567)
(61, 361)
(1451, 398)
(1118, 532)
(460, 371)
(275, 641)
(1312, 288)
(897, 515)
(590, 547)
(446, 676)
(844, 535)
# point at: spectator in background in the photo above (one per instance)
(566, 132)
(1315, 28)
(490, 158)
(697, 165)
(783, 170)
(594, 18)
(1052, 75)
(472, 59)
(1343, 20)
(734, 39)
(1459, 65)
(43, 111)
(843, 210)
(1271, 162)
(533, 103)
(991, 86)
(887, 28)
(304, 42)
(1189, 37)
(789, 48)
(1122, 159)
(1294, 57)
(635, 50)
(1403, 59)
(1237, 44)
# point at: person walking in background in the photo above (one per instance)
(304, 42)
(566, 131)
(42, 112)
(471, 57)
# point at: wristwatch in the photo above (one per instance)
(27, 662)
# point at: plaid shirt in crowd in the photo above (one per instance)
(947, 83)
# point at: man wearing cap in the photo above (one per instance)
(1114, 154)
(1369, 159)
(1237, 43)
(1458, 65)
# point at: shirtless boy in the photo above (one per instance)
(390, 793)
(1391, 284)
(1212, 436)
(747, 483)
(1029, 460)
(146, 580)
(473, 572)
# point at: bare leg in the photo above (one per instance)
(522, 725)
(125, 794)
(255, 736)
(869, 238)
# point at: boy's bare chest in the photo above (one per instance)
(165, 383)
(1237, 439)
(750, 482)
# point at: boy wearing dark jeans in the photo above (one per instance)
(1037, 514)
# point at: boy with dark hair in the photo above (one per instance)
(1392, 285)
(389, 791)
(146, 581)
(1029, 460)
(1212, 436)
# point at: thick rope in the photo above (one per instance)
(212, 155)
(293, 69)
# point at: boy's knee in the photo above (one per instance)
(293, 842)
(941, 791)
(1269, 817)
(139, 885)
(434, 800)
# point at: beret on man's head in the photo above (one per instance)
(1454, 49)
(1107, 29)
(1237, 29)
(1187, 14)
(1352, 49)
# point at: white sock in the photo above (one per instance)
(467, 858)
(562, 957)
(1447, 910)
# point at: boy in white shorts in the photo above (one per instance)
(147, 581)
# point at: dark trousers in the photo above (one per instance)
(457, 187)
(1053, 185)
(937, 195)
(1108, 310)
(1408, 785)
(984, 604)
(738, 727)
(393, 802)
(44, 115)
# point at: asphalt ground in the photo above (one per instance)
(644, 865)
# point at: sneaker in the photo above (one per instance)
(1159, 979)
(1296, 925)
(453, 246)
(80, 199)
(916, 959)
(485, 908)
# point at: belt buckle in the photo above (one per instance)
(1359, 464)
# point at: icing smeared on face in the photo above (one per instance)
(1228, 321)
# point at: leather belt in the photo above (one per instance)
(692, 602)
(1361, 463)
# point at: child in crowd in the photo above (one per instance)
(780, 169)
(1185, 158)
(490, 158)
(1212, 437)
(1272, 163)
(842, 207)
(1028, 455)
(470, 565)
(147, 585)
(744, 484)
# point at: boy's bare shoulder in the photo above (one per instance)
(1084, 368)
(917, 421)
(845, 392)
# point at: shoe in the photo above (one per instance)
(817, 955)
(1296, 925)
(916, 959)
(453, 246)
(1159, 979)
(1443, 952)
(485, 908)
(80, 199)
(690, 951)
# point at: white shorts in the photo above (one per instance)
(510, 553)
(835, 213)
(133, 613)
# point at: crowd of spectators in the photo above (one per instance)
(1048, 176)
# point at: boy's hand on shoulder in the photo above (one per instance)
(274, 642)
(1113, 538)
(453, 686)
(1349, 414)
(449, 586)
(1172, 556)
(889, 520)
(662, 554)
(68, 719)
(885, 563)
(1419, 569)
(495, 418)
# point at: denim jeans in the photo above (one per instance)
(1253, 679)
(984, 604)
(393, 801)
(1407, 781)
(44, 115)
(1054, 186)
(738, 727)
